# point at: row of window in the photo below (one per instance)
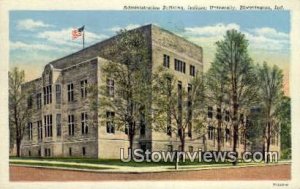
(170, 148)
(48, 129)
(220, 114)
(47, 152)
(47, 94)
(178, 65)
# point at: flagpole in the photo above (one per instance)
(83, 40)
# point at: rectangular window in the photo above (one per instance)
(219, 114)
(30, 131)
(227, 118)
(40, 129)
(142, 125)
(110, 86)
(58, 93)
(39, 100)
(47, 94)
(191, 149)
(166, 61)
(170, 148)
(169, 119)
(227, 135)
(70, 92)
(71, 125)
(179, 92)
(29, 102)
(189, 110)
(83, 151)
(48, 125)
(70, 151)
(58, 125)
(210, 133)
(110, 126)
(83, 88)
(210, 112)
(242, 118)
(192, 70)
(179, 65)
(84, 123)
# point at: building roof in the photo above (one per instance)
(100, 48)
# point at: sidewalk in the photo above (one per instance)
(131, 169)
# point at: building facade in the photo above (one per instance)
(64, 125)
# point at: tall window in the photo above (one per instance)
(40, 129)
(219, 114)
(30, 131)
(48, 94)
(227, 134)
(210, 112)
(29, 102)
(83, 151)
(227, 118)
(210, 133)
(110, 126)
(58, 93)
(192, 70)
(166, 61)
(189, 113)
(179, 65)
(58, 125)
(83, 88)
(179, 88)
(39, 100)
(142, 125)
(110, 86)
(71, 125)
(84, 123)
(70, 92)
(169, 120)
(48, 125)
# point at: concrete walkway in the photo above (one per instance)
(131, 169)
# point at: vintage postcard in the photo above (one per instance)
(139, 94)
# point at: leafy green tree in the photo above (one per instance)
(241, 81)
(284, 117)
(175, 109)
(19, 113)
(130, 74)
(271, 92)
(216, 93)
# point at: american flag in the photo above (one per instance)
(77, 32)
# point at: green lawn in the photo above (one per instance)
(58, 165)
(117, 162)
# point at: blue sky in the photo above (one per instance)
(38, 37)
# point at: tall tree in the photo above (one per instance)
(216, 93)
(242, 87)
(19, 112)
(126, 92)
(271, 89)
(176, 109)
(284, 116)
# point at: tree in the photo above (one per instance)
(127, 77)
(284, 116)
(19, 112)
(240, 73)
(271, 92)
(176, 109)
(216, 93)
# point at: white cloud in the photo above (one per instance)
(128, 27)
(29, 24)
(213, 30)
(18, 45)
(269, 33)
(63, 37)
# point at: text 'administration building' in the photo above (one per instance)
(60, 124)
